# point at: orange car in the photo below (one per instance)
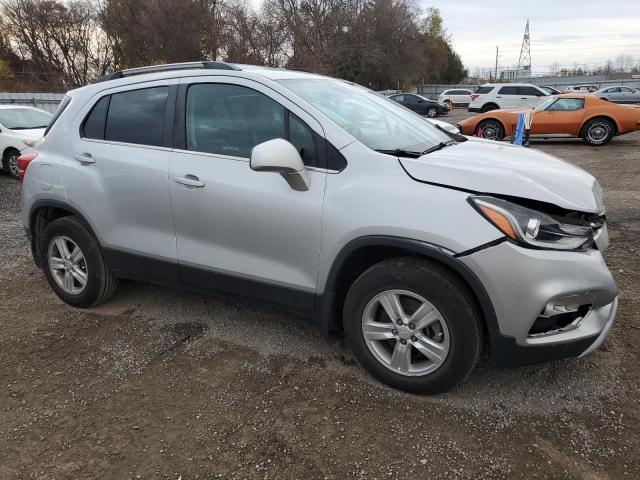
(570, 115)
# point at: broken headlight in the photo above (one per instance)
(533, 228)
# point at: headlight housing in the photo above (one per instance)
(535, 229)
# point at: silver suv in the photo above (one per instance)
(328, 200)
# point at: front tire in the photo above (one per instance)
(74, 265)
(598, 132)
(490, 129)
(412, 325)
(10, 162)
(432, 112)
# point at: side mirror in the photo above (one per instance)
(279, 156)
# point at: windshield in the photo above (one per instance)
(544, 105)
(376, 121)
(24, 118)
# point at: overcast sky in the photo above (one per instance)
(563, 31)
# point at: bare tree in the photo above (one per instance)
(58, 39)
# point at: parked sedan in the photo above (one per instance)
(421, 105)
(619, 94)
(20, 129)
(595, 120)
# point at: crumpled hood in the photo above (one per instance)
(486, 166)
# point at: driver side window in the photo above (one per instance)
(232, 119)
(567, 104)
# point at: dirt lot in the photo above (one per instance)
(166, 384)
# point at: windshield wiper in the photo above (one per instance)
(437, 147)
(27, 128)
(399, 152)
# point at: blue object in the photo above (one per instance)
(518, 135)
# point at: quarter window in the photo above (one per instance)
(231, 119)
(137, 116)
(94, 124)
(531, 91)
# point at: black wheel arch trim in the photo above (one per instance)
(51, 203)
(325, 302)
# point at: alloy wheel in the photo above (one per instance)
(68, 265)
(597, 133)
(12, 163)
(405, 332)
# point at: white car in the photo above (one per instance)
(20, 129)
(459, 96)
(581, 89)
(492, 96)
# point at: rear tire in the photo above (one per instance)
(490, 129)
(452, 340)
(91, 282)
(432, 112)
(10, 162)
(598, 132)
(488, 107)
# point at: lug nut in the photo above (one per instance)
(414, 338)
(403, 341)
(394, 331)
(398, 322)
(412, 326)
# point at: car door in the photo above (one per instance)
(609, 94)
(116, 175)
(627, 95)
(507, 97)
(415, 103)
(563, 116)
(239, 230)
(530, 97)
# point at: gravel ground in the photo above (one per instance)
(166, 384)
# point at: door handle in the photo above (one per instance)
(190, 181)
(85, 158)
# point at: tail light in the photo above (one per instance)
(23, 163)
(473, 97)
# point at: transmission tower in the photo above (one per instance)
(525, 51)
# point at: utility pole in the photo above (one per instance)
(496, 75)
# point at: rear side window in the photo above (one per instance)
(508, 91)
(483, 90)
(94, 124)
(137, 116)
(61, 107)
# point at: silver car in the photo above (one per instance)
(619, 94)
(316, 195)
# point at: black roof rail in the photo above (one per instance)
(205, 64)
